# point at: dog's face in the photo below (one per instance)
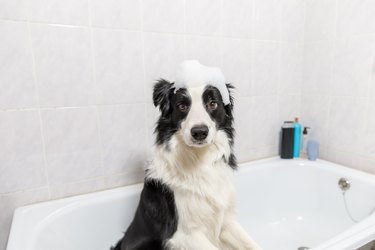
(194, 114)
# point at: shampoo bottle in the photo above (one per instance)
(297, 138)
(287, 140)
(305, 138)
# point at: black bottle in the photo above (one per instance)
(287, 140)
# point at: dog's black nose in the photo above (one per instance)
(199, 132)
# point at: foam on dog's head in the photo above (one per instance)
(193, 74)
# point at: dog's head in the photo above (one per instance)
(195, 114)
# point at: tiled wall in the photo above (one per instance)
(338, 89)
(76, 77)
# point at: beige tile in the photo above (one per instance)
(203, 17)
(237, 65)
(162, 54)
(291, 68)
(267, 20)
(63, 65)
(119, 66)
(163, 16)
(293, 20)
(95, 185)
(124, 14)
(355, 18)
(317, 68)
(238, 18)
(17, 82)
(123, 138)
(74, 12)
(72, 144)
(205, 49)
(266, 68)
(21, 151)
(352, 66)
(346, 124)
(320, 19)
(367, 164)
(347, 159)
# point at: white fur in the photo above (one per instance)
(197, 116)
(202, 185)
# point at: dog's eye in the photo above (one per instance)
(212, 105)
(183, 107)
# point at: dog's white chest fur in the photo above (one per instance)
(193, 160)
(202, 185)
(201, 204)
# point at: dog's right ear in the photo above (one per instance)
(161, 96)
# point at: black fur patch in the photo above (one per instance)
(169, 122)
(223, 116)
(171, 116)
(156, 217)
(232, 162)
(155, 220)
(161, 96)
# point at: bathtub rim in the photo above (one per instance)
(366, 226)
(42, 211)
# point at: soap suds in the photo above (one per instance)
(193, 74)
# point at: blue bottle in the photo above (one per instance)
(297, 138)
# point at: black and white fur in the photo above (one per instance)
(188, 200)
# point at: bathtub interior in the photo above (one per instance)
(303, 207)
(282, 207)
(93, 230)
(97, 223)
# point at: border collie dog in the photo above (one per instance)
(188, 199)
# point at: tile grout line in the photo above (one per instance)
(72, 107)
(148, 102)
(184, 30)
(149, 31)
(252, 47)
(39, 110)
(95, 85)
(23, 190)
(330, 97)
(145, 84)
(99, 188)
(99, 177)
(362, 155)
(302, 76)
(155, 32)
(279, 67)
(221, 34)
(143, 49)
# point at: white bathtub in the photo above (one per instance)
(284, 204)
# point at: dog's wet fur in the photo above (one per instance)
(188, 198)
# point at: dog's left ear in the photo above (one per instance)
(161, 96)
(229, 107)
